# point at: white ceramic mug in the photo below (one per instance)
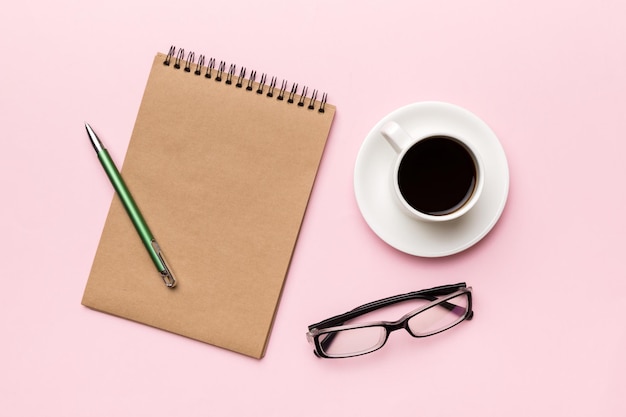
(438, 177)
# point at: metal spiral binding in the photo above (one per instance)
(251, 80)
(262, 86)
(199, 65)
(270, 91)
(229, 76)
(242, 74)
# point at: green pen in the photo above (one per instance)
(145, 234)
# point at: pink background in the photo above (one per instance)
(549, 334)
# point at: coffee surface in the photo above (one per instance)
(437, 175)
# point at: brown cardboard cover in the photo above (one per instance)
(223, 177)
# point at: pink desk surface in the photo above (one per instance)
(549, 334)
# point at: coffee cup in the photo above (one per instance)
(436, 177)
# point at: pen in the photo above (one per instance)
(131, 208)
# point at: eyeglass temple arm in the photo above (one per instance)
(430, 294)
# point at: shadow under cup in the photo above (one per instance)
(437, 175)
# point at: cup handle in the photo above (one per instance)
(397, 137)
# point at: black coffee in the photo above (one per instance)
(437, 175)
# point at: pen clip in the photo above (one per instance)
(166, 273)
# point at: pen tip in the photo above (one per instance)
(97, 145)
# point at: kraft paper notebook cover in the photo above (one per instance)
(222, 167)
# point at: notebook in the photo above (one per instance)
(221, 162)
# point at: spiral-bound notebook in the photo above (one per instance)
(222, 164)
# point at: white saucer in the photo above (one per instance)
(374, 190)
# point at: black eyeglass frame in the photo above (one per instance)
(437, 295)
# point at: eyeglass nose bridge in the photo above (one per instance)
(392, 326)
(403, 323)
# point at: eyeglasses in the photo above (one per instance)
(438, 309)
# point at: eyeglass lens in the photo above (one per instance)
(353, 341)
(440, 317)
